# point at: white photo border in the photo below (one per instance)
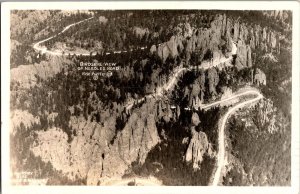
(133, 5)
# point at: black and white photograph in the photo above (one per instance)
(150, 97)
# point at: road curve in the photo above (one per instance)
(248, 92)
(173, 80)
(221, 139)
(37, 47)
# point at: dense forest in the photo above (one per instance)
(265, 156)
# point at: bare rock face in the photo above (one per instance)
(252, 38)
(196, 102)
(201, 39)
(241, 60)
(201, 81)
(211, 38)
(249, 58)
(140, 32)
(74, 159)
(133, 143)
(236, 31)
(273, 40)
(197, 147)
(260, 77)
(187, 30)
(216, 32)
(216, 56)
(224, 23)
(90, 155)
(95, 172)
(170, 48)
(153, 49)
(249, 38)
(138, 138)
(244, 33)
(213, 80)
(195, 90)
(244, 58)
(102, 20)
(195, 119)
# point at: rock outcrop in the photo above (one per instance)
(153, 49)
(198, 146)
(90, 155)
(195, 119)
(170, 48)
(141, 32)
(243, 55)
(213, 80)
(132, 144)
(76, 158)
(259, 77)
(102, 20)
(222, 29)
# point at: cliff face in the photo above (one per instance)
(198, 146)
(260, 77)
(249, 37)
(133, 143)
(141, 32)
(255, 36)
(90, 154)
(74, 158)
(170, 48)
(213, 80)
(243, 55)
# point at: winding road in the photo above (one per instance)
(221, 139)
(175, 77)
(44, 50)
(37, 47)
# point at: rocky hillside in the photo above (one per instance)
(80, 130)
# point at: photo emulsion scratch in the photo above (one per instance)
(150, 97)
